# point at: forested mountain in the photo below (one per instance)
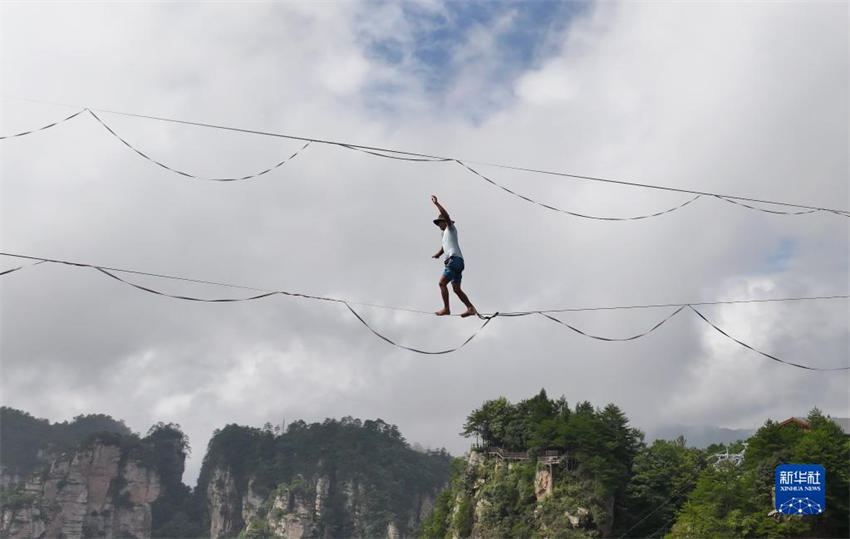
(85, 478)
(498, 493)
(537, 468)
(346, 478)
(541, 468)
(93, 477)
(732, 501)
(22, 436)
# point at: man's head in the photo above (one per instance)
(441, 222)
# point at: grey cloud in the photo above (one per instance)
(714, 102)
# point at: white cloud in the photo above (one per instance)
(551, 84)
(741, 99)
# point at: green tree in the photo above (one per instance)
(827, 445)
(600, 441)
(22, 436)
(176, 512)
(490, 422)
(663, 474)
(735, 501)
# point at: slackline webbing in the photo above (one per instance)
(190, 175)
(613, 339)
(584, 216)
(420, 157)
(48, 126)
(487, 318)
(765, 210)
(765, 354)
(6, 272)
(396, 157)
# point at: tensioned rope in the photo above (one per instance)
(486, 317)
(415, 156)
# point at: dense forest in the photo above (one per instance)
(22, 436)
(732, 501)
(28, 445)
(393, 477)
(611, 483)
(601, 480)
(349, 451)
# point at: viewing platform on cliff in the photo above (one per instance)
(549, 457)
(508, 455)
(552, 457)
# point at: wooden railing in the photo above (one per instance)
(548, 457)
(508, 455)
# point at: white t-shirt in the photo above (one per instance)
(450, 245)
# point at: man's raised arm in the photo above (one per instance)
(442, 210)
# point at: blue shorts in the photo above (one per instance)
(454, 268)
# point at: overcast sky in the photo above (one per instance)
(746, 99)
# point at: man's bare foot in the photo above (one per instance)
(443, 312)
(469, 312)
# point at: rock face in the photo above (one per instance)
(542, 483)
(338, 478)
(300, 509)
(225, 504)
(492, 496)
(291, 516)
(94, 491)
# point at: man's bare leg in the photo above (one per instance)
(470, 310)
(444, 292)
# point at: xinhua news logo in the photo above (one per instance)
(800, 489)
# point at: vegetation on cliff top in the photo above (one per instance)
(28, 445)
(609, 483)
(733, 501)
(613, 484)
(23, 436)
(589, 485)
(372, 454)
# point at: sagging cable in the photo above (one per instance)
(188, 174)
(48, 126)
(613, 339)
(574, 214)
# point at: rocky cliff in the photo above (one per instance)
(308, 508)
(343, 478)
(92, 477)
(334, 479)
(494, 494)
(94, 491)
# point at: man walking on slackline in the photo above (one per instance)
(453, 262)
